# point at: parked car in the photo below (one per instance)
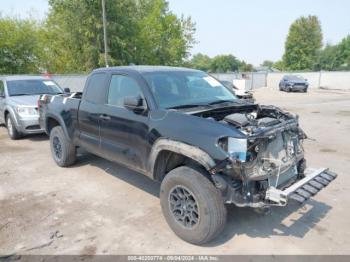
(18, 102)
(292, 83)
(241, 94)
(183, 128)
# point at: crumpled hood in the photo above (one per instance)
(25, 100)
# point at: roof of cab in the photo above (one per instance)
(144, 69)
(23, 77)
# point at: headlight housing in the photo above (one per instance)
(26, 111)
(235, 147)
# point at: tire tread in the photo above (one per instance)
(201, 184)
(68, 149)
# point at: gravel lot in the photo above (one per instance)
(97, 207)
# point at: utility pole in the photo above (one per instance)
(105, 32)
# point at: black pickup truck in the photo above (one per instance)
(183, 128)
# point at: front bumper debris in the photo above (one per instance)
(311, 184)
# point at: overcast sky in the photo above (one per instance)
(252, 30)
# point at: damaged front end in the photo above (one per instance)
(266, 166)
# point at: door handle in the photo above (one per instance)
(105, 117)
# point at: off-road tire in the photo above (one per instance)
(211, 207)
(67, 155)
(11, 128)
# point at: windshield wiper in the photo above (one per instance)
(21, 95)
(222, 102)
(188, 106)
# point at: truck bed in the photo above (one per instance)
(66, 105)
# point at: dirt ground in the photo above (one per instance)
(97, 207)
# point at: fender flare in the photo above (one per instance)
(11, 112)
(187, 150)
(59, 120)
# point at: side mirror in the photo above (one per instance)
(66, 90)
(134, 103)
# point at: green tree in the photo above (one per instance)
(303, 42)
(162, 37)
(279, 65)
(74, 35)
(344, 53)
(19, 51)
(224, 64)
(244, 67)
(139, 32)
(268, 64)
(201, 62)
(335, 57)
(327, 58)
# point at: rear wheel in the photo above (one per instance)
(63, 152)
(11, 128)
(192, 205)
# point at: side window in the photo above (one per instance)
(2, 89)
(120, 87)
(95, 88)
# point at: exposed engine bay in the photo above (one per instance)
(274, 144)
(272, 154)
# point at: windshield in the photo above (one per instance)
(32, 87)
(293, 77)
(180, 88)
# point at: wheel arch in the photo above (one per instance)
(168, 154)
(6, 112)
(10, 111)
(52, 121)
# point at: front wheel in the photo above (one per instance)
(11, 128)
(63, 152)
(192, 206)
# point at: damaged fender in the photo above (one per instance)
(181, 148)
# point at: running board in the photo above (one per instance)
(311, 184)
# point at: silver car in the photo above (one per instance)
(18, 103)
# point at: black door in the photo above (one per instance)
(90, 112)
(123, 131)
